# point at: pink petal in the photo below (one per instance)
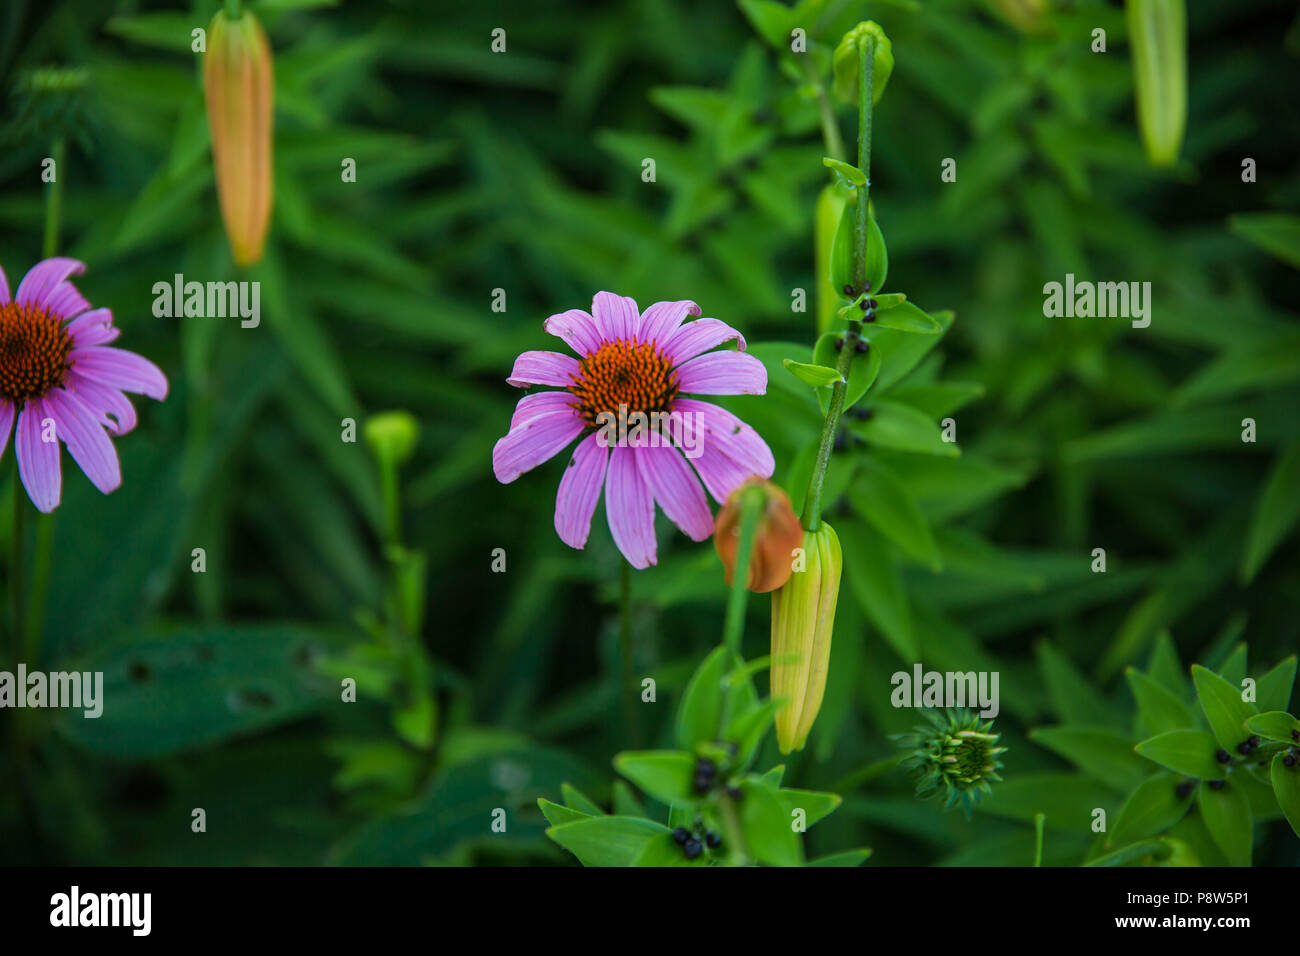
(4, 288)
(86, 439)
(577, 328)
(676, 489)
(617, 316)
(38, 461)
(630, 508)
(720, 474)
(723, 373)
(544, 368)
(6, 415)
(92, 328)
(114, 410)
(118, 368)
(579, 492)
(66, 301)
(699, 336)
(44, 278)
(662, 319)
(540, 404)
(533, 439)
(724, 432)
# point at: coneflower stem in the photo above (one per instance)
(628, 686)
(16, 567)
(812, 506)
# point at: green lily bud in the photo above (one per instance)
(845, 61)
(803, 617)
(1158, 32)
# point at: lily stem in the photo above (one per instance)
(812, 508)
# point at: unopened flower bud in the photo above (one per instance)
(776, 536)
(392, 436)
(1158, 35)
(845, 61)
(803, 617)
(238, 86)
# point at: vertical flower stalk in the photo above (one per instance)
(803, 609)
(238, 83)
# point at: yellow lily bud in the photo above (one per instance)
(1157, 32)
(238, 86)
(803, 617)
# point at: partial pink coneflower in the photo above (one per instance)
(63, 382)
(635, 362)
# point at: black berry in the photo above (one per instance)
(869, 317)
(1216, 784)
(692, 848)
(1185, 789)
(1289, 760)
(871, 303)
(713, 840)
(839, 344)
(867, 285)
(1223, 756)
(861, 347)
(1243, 747)
(1253, 741)
(681, 835)
(848, 290)
(735, 793)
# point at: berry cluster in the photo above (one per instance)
(695, 840)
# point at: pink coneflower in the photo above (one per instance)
(59, 377)
(632, 363)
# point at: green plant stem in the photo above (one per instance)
(739, 855)
(16, 568)
(234, 9)
(54, 201)
(733, 628)
(831, 137)
(812, 508)
(1039, 820)
(626, 690)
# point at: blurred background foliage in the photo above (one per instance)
(521, 171)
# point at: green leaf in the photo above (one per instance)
(1273, 690)
(1286, 787)
(663, 850)
(666, 775)
(1275, 514)
(1276, 233)
(880, 496)
(851, 174)
(815, 804)
(770, 20)
(863, 369)
(607, 841)
(181, 690)
(1165, 668)
(1067, 799)
(900, 352)
(1275, 725)
(767, 826)
(893, 425)
(906, 317)
(626, 802)
(575, 799)
(876, 584)
(1189, 752)
(1158, 710)
(846, 858)
(1160, 850)
(1223, 706)
(1226, 813)
(701, 707)
(939, 399)
(1152, 808)
(556, 814)
(844, 245)
(1104, 754)
(818, 376)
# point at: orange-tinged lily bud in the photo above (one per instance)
(777, 536)
(803, 618)
(238, 86)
